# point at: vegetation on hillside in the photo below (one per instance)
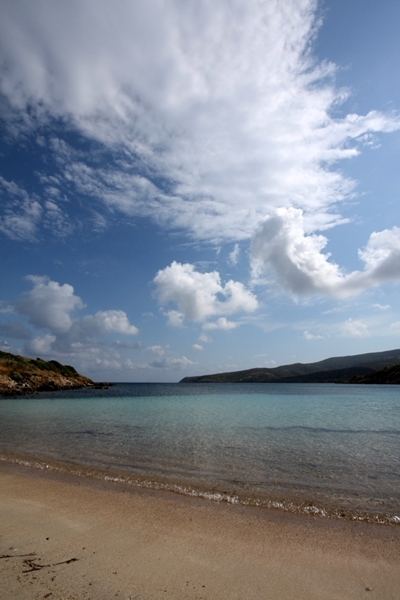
(20, 375)
(389, 375)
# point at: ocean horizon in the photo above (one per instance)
(329, 450)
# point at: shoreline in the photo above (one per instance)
(147, 544)
(305, 504)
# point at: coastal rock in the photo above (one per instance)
(20, 376)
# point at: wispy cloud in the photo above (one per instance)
(354, 328)
(222, 323)
(20, 213)
(210, 117)
(395, 328)
(312, 336)
(234, 255)
(171, 363)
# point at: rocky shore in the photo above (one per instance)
(20, 376)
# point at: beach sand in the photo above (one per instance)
(146, 545)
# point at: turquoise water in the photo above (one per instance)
(321, 448)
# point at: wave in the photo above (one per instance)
(300, 506)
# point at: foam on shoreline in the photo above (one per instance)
(292, 505)
(66, 536)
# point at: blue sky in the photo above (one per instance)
(190, 186)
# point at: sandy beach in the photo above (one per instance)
(72, 538)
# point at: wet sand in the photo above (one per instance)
(66, 538)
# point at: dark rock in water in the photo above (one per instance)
(102, 385)
(21, 376)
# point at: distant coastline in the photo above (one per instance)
(20, 376)
(373, 367)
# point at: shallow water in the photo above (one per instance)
(327, 449)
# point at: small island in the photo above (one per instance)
(20, 376)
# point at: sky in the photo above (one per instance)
(197, 186)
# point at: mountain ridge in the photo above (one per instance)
(338, 369)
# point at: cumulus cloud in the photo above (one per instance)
(41, 345)
(108, 321)
(282, 244)
(197, 347)
(223, 103)
(200, 295)
(49, 304)
(53, 307)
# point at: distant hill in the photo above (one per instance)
(389, 375)
(331, 370)
(20, 375)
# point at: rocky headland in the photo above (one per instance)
(20, 376)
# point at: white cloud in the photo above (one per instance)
(281, 244)
(157, 350)
(52, 307)
(312, 336)
(21, 214)
(41, 345)
(381, 306)
(204, 338)
(55, 219)
(354, 328)
(171, 363)
(234, 255)
(395, 327)
(175, 318)
(6, 307)
(108, 321)
(197, 347)
(198, 294)
(222, 101)
(221, 323)
(49, 304)
(6, 347)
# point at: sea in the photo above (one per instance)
(328, 450)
